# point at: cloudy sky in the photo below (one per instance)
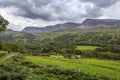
(21, 13)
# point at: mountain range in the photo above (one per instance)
(86, 24)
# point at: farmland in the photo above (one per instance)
(2, 53)
(86, 48)
(105, 68)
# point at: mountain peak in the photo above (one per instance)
(101, 22)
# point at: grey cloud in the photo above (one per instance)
(93, 12)
(29, 8)
(52, 10)
(39, 3)
(98, 6)
(102, 3)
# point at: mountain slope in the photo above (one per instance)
(51, 28)
(86, 24)
(91, 23)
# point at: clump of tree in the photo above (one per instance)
(3, 24)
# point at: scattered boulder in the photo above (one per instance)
(77, 70)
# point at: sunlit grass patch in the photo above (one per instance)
(98, 67)
(83, 48)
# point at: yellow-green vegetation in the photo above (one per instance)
(105, 68)
(56, 57)
(3, 52)
(83, 48)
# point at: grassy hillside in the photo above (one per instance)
(17, 67)
(98, 67)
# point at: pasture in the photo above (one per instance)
(83, 48)
(106, 68)
(2, 53)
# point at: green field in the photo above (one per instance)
(83, 48)
(105, 68)
(2, 53)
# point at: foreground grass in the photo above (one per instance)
(105, 68)
(83, 48)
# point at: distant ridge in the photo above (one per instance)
(88, 23)
(51, 28)
(91, 23)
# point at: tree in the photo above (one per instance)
(3, 24)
